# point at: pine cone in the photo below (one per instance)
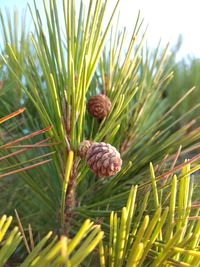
(103, 159)
(83, 148)
(99, 106)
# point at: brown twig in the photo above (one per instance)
(26, 137)
(31, 237)
(25, 168)
(23, 150)
(22, 232)
(19, 111)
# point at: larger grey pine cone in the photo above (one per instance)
(103, 159)
(99, 106)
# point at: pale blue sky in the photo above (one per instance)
(166, 19)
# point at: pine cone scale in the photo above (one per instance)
(106, 163)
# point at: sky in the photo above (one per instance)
(166, 20)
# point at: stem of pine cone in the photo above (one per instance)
(66, 188)
(70, 198)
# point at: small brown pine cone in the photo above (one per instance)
(99, 106)
(103, 159)
(83, 148)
